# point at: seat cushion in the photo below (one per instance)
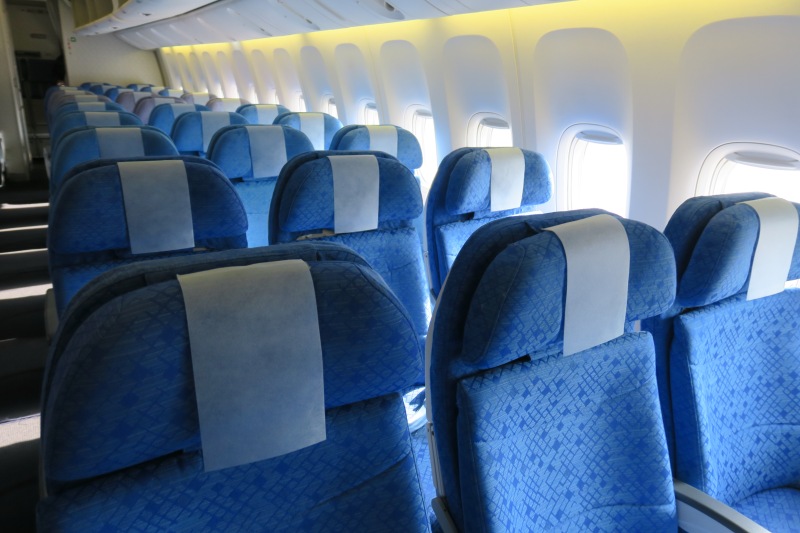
(777, 510)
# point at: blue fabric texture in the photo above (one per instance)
(88, 231)
(355, 137)
(81, 145)
(736, 396)
(778, 510)
(460, 193)
(250, 111)
(103, 472)
(129, 100)
(163, 117)
(332, 124)
(145, 106)
(187, 132)
(499, 318)
(61, 108)
(71, 121)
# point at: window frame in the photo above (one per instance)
(710, 181)
(479, 121)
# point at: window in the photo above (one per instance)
(371, 117)
(301, 102)
(751, 167)
(229, 86)
(493, 132)
(331, 108)
(593, 168)
(423, 129)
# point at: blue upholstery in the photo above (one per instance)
(302, 207)
(73, 107)
(54, 90)
(729, 366)
(141, 463)
(251, 112)
(197, 98)
(68, 103)
(114, 92)
(356, 137)
(129, 100)
(527, 439)
(332, 124)
(78, 119)
(146, 105)
(230, 105)
(459, 203)
(139, 86)
(81, 145)
(163, 116)
(231, 150)
(175, 93)
(101, 88)
(188, 133)
(88, 232)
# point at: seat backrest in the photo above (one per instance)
(262, 113)
(146, 105)
(163, 116)
(139, 86)
(192, 132)
(731, 357)
(174, 93)
(318, 127)
(101, 88)
(60, 91)
(59, 102)
(543, 396)
(129, 100)
(72, 107)
(252, 157)
(114, 92)
(343, 481)
(78, 119)
(226, 104)
(462, 198)
(365, 200)
(393, 140)
(87, 143)
(197, 98)
(123, 212)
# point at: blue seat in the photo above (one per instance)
(261, 113)
(72, 107)
(192, 132)
(139, 86)
(135, 460)
(197, 98)
(252, 157)
(129, 100)
(94, 226)
(63, 101)
(303, 207)
(145, 106)
(230, 105)
(78, 119)
(174, 93)
(393, 140)
(114, 92)
(543, 420)
(318, 127)
(87, 143)
(62, 90)
(728, 357)
(101, 88)
(163, 116)
(460, 199)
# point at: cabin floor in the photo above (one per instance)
(24, 278)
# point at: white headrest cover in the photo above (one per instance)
(383, 138)
(356, 186)
(507, 179)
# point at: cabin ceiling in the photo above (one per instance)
(149, 24)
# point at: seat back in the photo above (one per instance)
(318, 127)
(61, 102)
(261, 113)
(139, 86)
(731, 357)
(393, 140)
(226, 104)
(252, 157)
(163, 116)
(101, 88)
(192, 132)
(310, 201)
(78, 119)
(54, 90)
(343, 482)
(114, 92)
(129, 100)
(197, 98)
(124, 212)
(543, 397)
(87, 143)
(72, 107)
(174, 93)
(145, 106)
(462, 199)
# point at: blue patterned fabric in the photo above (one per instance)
(460, 194)
(735, 381)
(88, 232)
(250, 112)
(355, 137)
(81, 145)
(101, 88)
(508, 277)
(129, 100)
(778, 510)
(332, 124)
(187, 132)
(71, 121)
(72, 107)
(145, 106)
(68, 103)
(163, 116)
(104, 473)
(302, 207)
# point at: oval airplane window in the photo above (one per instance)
(489, 130)
(230, 88)
(370, 114)
(423, 128)
(331, 107)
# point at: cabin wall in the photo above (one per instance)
(674, 79)
(13, 133)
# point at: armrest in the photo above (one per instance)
(698, 512)
(50, 315)
(439, 507)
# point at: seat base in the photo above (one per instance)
(776, 509)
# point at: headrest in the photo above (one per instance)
(256, 151)
(146, 105)
(174, 93)
(226, 104)
(531, 274)
(304, 196)
(129, 100)
(318, 127)
(719, 242)
(87, 143)
(522, 174)
(84, 107)
(163, 115)
(139, 86)
(383, 359)
(114, 92)
(61, 99)
(101, 88)
(393, 140)
(192, 132)
(197, 98)
(69, 121)
(262, 113)
(91, 204)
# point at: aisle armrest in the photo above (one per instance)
(698, 512)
